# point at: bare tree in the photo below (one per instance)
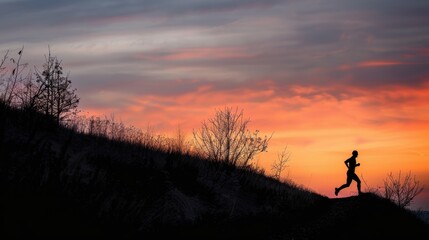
(226, 137)
(401, 191)
(54, 96)
(280, 163)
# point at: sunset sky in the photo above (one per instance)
(325, 77)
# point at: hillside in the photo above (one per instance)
(60, 183)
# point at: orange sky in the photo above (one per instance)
(388, 126)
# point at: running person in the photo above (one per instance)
(351, 175)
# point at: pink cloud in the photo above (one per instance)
(380, 63)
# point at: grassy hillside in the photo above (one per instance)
(58, 182)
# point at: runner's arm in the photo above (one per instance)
(347, 163)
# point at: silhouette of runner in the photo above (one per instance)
(351, 175)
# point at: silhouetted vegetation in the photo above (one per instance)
(280, 163)
(53, 93)
(400, 190)
(50, 92)
(226, 138)
(12, 76)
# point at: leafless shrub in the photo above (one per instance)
(400, 190)
(226, 138)
(280, 163)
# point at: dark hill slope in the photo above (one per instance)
(56, 182)
(369, 216)
(362, 217)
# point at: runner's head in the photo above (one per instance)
(355, 153)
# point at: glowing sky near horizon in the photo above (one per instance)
(325, 77)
